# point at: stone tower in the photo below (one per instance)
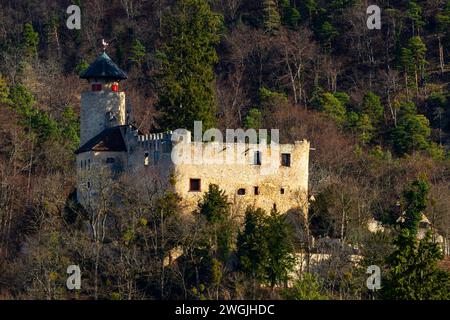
(103, 106)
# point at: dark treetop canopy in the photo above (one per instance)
(104, 68)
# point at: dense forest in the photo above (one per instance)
(375, 105)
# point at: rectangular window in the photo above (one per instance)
(282, 191)
(286, 159)
(195, 185)
(96, 87)
(256, 191)
(258, 158)
(241, 191)
(89, 164)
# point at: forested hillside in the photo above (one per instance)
(375, 105)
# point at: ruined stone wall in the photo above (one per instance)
(282, 187)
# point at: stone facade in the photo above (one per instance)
(100, 110)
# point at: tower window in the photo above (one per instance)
(96, 87)
(241, 191)
(195, 185)
(258, 158)
(89, 164)
(286, 159)
(256, 189)
(115, 87)
(282, 191)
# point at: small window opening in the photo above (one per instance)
(115, 88)
(241, 191)
(195, 185)
(282, 191)
(256, 189)
(258, 158)
(96, 87)
(146, 160)
(286, 159)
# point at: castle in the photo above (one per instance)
(260, 174)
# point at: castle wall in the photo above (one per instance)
(280, 186)
(269, 178)
(100, 110)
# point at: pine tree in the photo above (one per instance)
(280, 259)
(253, 119)
(30, 40)
(291, 16)
(413, 271)
(272, 18)
(215, 207)
(186, 82)
(371, 106)
(333, 107)
(418, 50)
(252, 247)
(327, 33)
(412, 130)
(414, 13)
(137, 52)
(4, 91)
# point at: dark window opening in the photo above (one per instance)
(195, 185)
(258, 158)
(256, 191)
(110, 160)
(146, 159)
(282, 190)
(241, 191)
(275, 206)
(286, 159)
(89, 184)
(96, 87)
(89, 164)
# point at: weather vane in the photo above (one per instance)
(105, 45)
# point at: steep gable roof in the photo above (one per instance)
(110, 139)
(104, 68)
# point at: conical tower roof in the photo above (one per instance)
(104, 68)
